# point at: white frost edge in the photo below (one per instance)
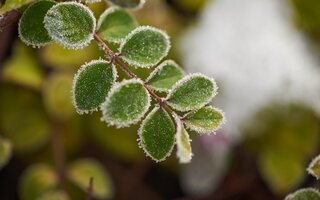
(58, 39)
(76, 77)
(24, 40)
(103, 16)
(292, 195)
(137, 30)
(313, 162)
(92, 1)
(158, 69)
(183, 155)
(202, 130)
(140, 143)
(116, 87)
(183, 81)
(139, 6)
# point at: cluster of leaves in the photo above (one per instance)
(126, 102)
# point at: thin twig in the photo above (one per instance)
(116, 58)
(58, 153)
(90, 189)
(8, 19)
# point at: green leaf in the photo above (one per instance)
(36, 181)
(165, 76)
(192, 92)
(115, 24)
(304, 194)
(71, 24)
(54, 195)
(145, 46)
(133, 4)
(5, 151)
(92, 84)
(157, 134)
(12, 5)
(56, 95)
(31, 26)
(22, 67)
(82, 170)
(314, 167)
(184, 152)
(126, 103)
(205, 120)
(281, 170)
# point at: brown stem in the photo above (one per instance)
(115, 57)
(58, 154)
(8, 19)
(90, 189)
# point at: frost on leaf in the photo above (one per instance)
(205, 120)
(314, 167)
(92, 84)
(126, 103)
(36, 181)
(133, 4)
(304, 194)
(81, 171)
(70, 24)
(184, 152)
(165, 76)
(156, 134)
(115, 24)
(145, 46)
(31, 27)
(5, 151)
(192, 92)
(54, 195)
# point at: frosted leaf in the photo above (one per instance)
(71, 24)
(54, 195)
(304, 194)
(133, 4)
(314, 167)
(126, 104)
(204, 120)
(36, 181)
(81, 171)
(184, 152)
(156, 134)
(5, 151)
(192, 92)
(31, 28)
(115, 24)
(165, 76)
(92, 84)
(145, 46)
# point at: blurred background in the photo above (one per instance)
(265, 57)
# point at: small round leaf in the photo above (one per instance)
(54, 195)
(36, 181)
(184, 152)
(71, 24)
(81, 171)
(157, 134)
(314, 167)
(133, 4)
(192, 92)
(92, 84)
(165, 76)
(31, 26)
(304, 194)
(145, 46)
(205, 120)
(126, 103)
(115, 24)
(5, 151)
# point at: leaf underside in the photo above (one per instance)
(184, 152)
